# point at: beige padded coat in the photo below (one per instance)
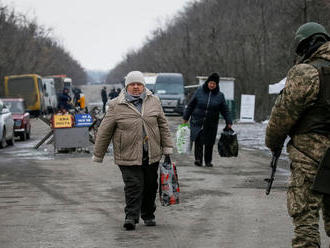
(123, 125)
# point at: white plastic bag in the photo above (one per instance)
(183, 139)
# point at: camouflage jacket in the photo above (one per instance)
(300, 92)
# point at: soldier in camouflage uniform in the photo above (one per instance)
(300, 114)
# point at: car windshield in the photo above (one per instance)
(16, 107)
(150, 86)
(169, 85)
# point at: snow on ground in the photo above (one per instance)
(251, 136)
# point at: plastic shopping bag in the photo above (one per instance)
(183, 139)
(228, 144)
(169, 189)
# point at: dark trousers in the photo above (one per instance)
(140, 190)
(104, 104)
(199, 151)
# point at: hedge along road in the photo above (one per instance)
(65, 200)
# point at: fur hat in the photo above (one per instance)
(134, 77)
(213, 77)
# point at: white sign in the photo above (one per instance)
(227, 88)
(247, 108)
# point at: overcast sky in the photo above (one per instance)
(98, 33)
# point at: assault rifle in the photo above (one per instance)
(273, 165)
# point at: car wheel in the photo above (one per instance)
(11, 142)
(28, 134)
(23, 136)
(3, 139)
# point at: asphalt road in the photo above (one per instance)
(65, 200)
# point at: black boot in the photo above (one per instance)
(150, 222)
(198, 163)
(129, 224)
(198, 153)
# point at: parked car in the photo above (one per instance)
(22, 124)
(6, 126)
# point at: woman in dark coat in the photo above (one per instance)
(203, 111)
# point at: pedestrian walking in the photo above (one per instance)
(203, 110)
(138, 129)
(104, 97)
(302, 112)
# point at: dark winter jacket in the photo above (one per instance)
(104, 95)
(64, 101)
(204, 109)
(113, 94)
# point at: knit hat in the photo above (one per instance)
(213, 77)
(134, 77)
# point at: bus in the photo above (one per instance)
(169, 87)
(30, 88)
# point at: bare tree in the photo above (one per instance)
(26, 47)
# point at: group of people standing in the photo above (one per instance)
(65, 101)
(112, 94)
(136, 124)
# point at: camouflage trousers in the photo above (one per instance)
(304, 206)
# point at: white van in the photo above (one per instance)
(50, 94)
(169, 87)
(150, 80)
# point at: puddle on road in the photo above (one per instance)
(30, 154)
(25, 150)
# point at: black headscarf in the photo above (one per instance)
(215, 78)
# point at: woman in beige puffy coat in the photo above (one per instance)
(136, 124)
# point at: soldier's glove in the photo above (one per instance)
(167, 159)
